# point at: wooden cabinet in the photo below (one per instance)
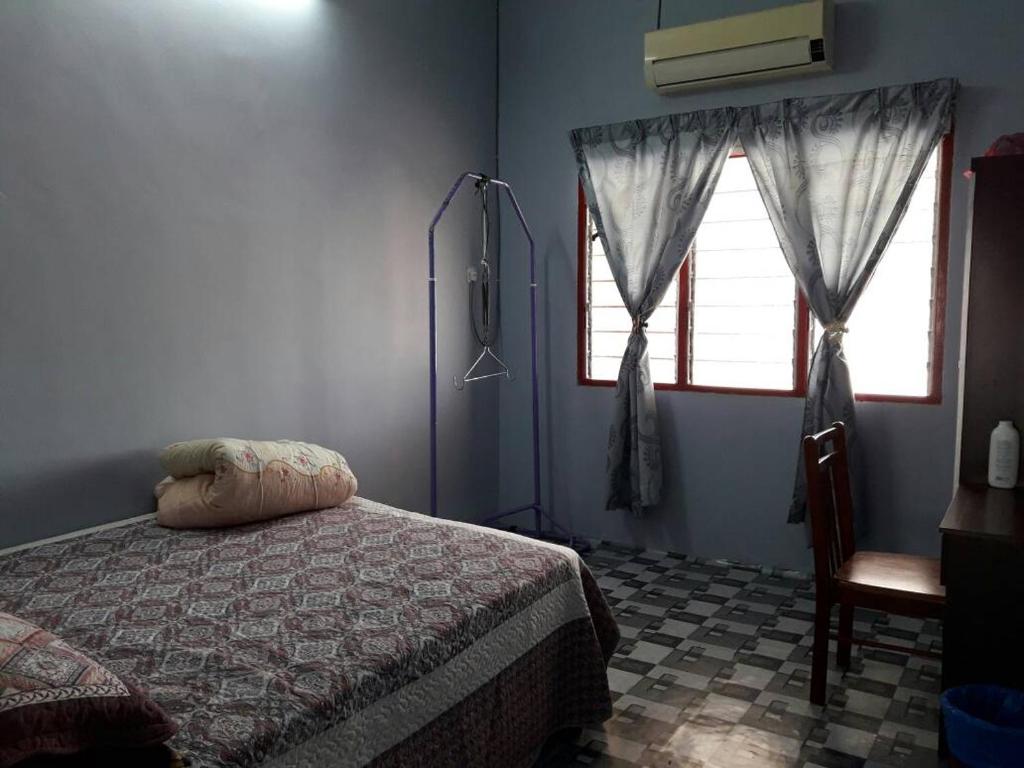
(993, 358)
(983, 530)
(983, 570)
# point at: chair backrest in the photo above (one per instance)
(829, 502)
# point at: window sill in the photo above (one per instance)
(860, 398)
(663, 387)
(900, 399)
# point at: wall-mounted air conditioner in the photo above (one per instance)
(791, 40)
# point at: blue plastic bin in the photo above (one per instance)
(985, 725)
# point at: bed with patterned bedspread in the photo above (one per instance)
(356, 635)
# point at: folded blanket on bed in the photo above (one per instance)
(222, 482)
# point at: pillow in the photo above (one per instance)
(216, 483)
(56, 700)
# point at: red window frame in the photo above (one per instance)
(801, 341)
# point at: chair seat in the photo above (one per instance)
(909, 577)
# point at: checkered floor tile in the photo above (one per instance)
(713, 671)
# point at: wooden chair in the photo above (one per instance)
(902, 584)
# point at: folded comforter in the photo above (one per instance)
(224, 482)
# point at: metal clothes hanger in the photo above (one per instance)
(461, 382)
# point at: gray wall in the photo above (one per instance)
(212, 219)
(729, 459)
(212, 222)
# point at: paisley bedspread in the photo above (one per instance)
(357, 635)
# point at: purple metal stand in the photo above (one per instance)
(555, 531)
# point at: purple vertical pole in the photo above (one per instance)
(536, 394)
(432, 308)
(431, 301)
(533, 360)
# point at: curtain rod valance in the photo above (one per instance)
(888, 105)
(889, 102)
(711, 123)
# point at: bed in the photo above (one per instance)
(357, 635)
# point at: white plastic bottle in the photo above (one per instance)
(1003, 456)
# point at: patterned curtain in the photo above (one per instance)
(647, 183)
(836, 174)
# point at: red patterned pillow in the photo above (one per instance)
(56, 700)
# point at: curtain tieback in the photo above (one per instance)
(834, 331)
(638, 324)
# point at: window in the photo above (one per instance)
(609, 324)
(894, 345)
(737, 326)
(734, 320)
(745, 314)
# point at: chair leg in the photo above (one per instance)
(819, 652)
(845, 630)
